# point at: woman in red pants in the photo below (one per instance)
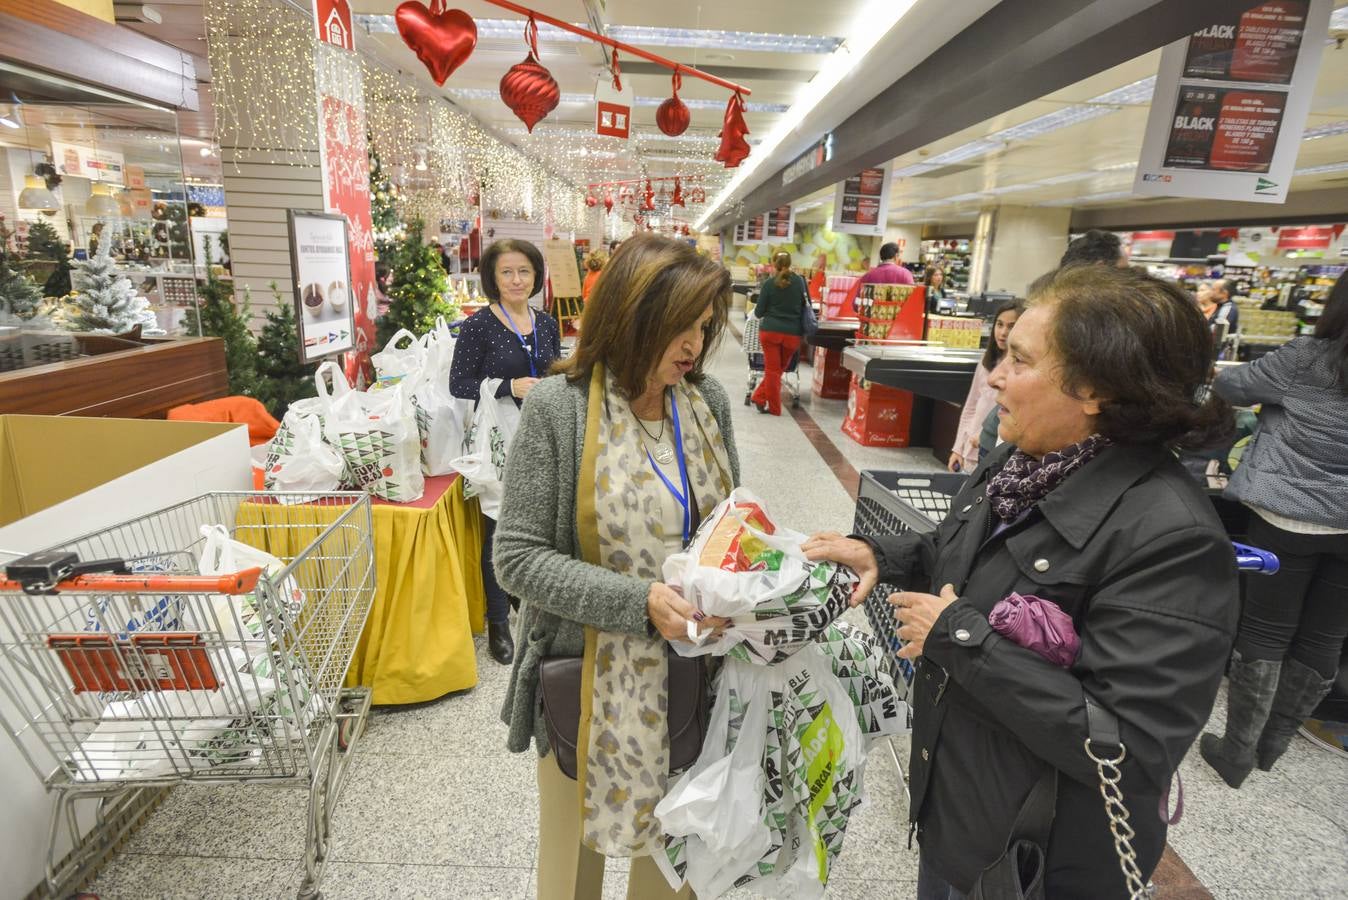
(781, 301)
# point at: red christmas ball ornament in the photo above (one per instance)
(591, 201)
(608, 202)
(529, 88)
(673, 117)
(442, 39)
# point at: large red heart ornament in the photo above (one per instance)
(442, 39)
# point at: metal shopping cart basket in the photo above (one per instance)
(753, 349)
(123, 669)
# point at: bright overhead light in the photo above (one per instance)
(35, 195)
(871, 23)
(641, 35)
(1321, 170)
(101, 203)
(1339, 20)
(1324, 131)
(9, 123)
(1089, 198)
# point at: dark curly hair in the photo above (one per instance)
(1143, 347)
(1094, 246)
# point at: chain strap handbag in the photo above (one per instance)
(1102, 728)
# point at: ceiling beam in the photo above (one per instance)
(1017, 52)
(1327, 204)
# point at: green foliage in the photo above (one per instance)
(417, 289)
(220, 317)
(281, 377)
(19, 295)
(45, 243)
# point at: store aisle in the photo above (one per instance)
(435, 806)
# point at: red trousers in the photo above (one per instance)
(777, 351)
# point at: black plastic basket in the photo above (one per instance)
(893, 503)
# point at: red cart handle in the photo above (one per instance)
(244, 582)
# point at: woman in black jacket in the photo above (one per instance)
(1084, 506)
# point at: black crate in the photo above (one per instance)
(893, 503)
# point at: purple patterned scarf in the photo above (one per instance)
(1024, 480)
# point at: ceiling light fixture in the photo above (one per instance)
(1321, 170)
(1324, 131)
(871, 23)
(101, 203)
(36, 196)
(9, 122)
(1089, 198)
(650, 36)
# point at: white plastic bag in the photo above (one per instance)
(297, 457)
(442, 418)
(394, 363)
(376, 434)
(222, 555)
(486, 446)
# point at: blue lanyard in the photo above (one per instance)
(683, 472)
(531, 354)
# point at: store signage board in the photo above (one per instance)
(810, 160)
(135, 177)
(324, 311)
(560, 257)
(94, 163)
(332, 18)
(1231, 102)
(861, 205)
(779, 225)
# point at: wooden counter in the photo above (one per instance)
(132, 384)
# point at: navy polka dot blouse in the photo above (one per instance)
(488, 348)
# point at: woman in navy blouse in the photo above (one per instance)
(506, 341)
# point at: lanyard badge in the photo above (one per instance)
(531, 354)
(681, 497)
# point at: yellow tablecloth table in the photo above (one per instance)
(418, 639)
(428, 601)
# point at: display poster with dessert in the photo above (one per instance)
(323, 305)
(1231, 101)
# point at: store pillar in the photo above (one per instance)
(909, 239)
(1014, 245)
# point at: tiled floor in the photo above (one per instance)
(435, 807)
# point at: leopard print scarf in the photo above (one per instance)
(625, 765)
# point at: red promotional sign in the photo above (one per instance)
(347, 178)
(333, 19)
(612, 119)
(1310, 237)
(1267, 43)
(1247, 130)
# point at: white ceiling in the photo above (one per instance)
(1092, 163)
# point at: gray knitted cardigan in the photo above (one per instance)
(537, 549)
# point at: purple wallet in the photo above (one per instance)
(1039, 625)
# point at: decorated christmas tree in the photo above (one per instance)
(220, 317)
(105, 301)
(281, 377)
(417, 289)
(45, 243)
(19, 295)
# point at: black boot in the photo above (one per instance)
(499, 642)
(1249, 696)
(1300, 690)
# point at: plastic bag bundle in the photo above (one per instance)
(376, 434)
(486, 446)
(441, 417)
(297, 457)
(745, 568)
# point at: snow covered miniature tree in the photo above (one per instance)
(20, 295)
(105, 301)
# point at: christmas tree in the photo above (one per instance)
(281, 377)
(19, 295)
(45, 243)
(216, 316)
(105, 301)
(416, 290)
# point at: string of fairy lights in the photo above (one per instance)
(442, 163)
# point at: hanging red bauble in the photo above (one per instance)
(529, 88)
(734, 148)
(672, 117)
(442, 39)
(608, 202)
(649, 201)
(591, 201)
(676, 199)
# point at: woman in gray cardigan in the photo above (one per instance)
(616, 460)
(1294, 479)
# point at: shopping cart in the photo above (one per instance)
(122, 669)
(753, 349)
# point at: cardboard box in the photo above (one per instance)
(831, 379)
(65, 476)
(878, 416)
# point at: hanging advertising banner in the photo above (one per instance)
(862, 202)
(1307, 237)
(1231, 102)
(324, 310)
(612, 109)
(96, 164)
(332, 18)
(779, 225)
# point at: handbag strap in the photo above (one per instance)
(1102, 728)
(1034, 822)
